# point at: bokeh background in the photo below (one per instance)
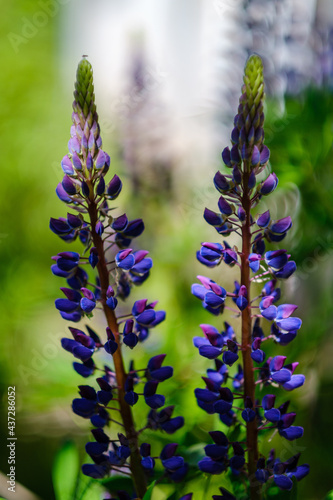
(167, 79)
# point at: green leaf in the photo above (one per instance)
(65, 472)
(92, 491)
(329, 495)
(149, 492)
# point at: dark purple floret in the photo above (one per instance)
(225, 495)
(94, 471)
(152, 399)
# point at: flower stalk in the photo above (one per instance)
(116, 268)
(246, 328)
(139, 478)
(240, 194)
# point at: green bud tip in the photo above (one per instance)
(84, 87)
(254, 80)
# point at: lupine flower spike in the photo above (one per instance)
(240, 192)
(106, 236)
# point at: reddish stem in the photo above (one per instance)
(125, 410)
(249, 383)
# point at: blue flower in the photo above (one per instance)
(88, 302)
(210, 254)
(257, 354)
(237, 461)
(163, 420)
(285, 471)
(156, 371)
(216, 460)
(279, 264)
(280, 315)
(174, 465)
(145, 315)
(248, 413)
(211, 294)
(283, 375)
(152, 399)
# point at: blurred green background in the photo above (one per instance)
(170, 193)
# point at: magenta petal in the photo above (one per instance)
(285, 310)
(209, 329)
(277, 363)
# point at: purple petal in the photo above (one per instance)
(283, 482)
(67, 166)
(226, 157)
(301, 471)
(74, 145)
(209, 351)
(224, 207)
(62, 194)
(199, 341)
(221, 182)
(295, 382)
(255, 156)
(268, 401)
(285, 310)
(273, 415)
(277, 363)
(269, 184)
(289, 324)
(282, 376)
(264, 155)
(286, 271)
(87, 305)
(264, 219)
(76, 161)
(282, 225)
(213, 218)
(269, 313)
(213, 300)
(293, 432)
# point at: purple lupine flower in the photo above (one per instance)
(233, 394)
(211, 294)
(114, 269)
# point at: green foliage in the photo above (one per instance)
(149, 491)
(65, 472)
